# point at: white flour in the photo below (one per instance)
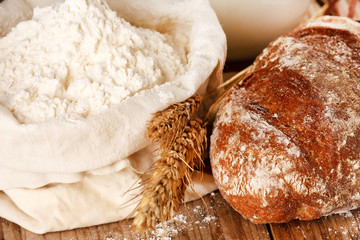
(75, 59)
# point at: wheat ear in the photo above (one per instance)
(167, 124)
(182, 142)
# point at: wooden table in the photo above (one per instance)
(210, 218)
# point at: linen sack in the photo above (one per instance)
(59, 175)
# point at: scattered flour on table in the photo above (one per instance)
(198, 217)
(77, 58)
(181, 222)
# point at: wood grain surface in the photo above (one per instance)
(207, 219)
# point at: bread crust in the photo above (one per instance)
(286, 143)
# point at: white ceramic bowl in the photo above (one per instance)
(251, 24)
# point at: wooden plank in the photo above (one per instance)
(233, 225)
(210, 218)
(11, 231)
(82, 233)
(71, 234)
(1, 231)
(27, 235)
(337, 226)
(52, 236)
(354, 223)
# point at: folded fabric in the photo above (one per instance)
(59, 175)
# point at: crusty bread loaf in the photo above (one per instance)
(286, 144)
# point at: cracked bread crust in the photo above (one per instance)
(286, 143)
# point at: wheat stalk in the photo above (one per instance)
(181, 138)
(165, 189)
(182, 142)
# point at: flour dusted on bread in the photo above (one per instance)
(77, 58)
(285, 145)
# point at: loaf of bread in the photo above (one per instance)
(286, 143)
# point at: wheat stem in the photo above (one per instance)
(182, 142)
(234, 79)
(224, 89)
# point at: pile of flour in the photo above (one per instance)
(77, 58)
